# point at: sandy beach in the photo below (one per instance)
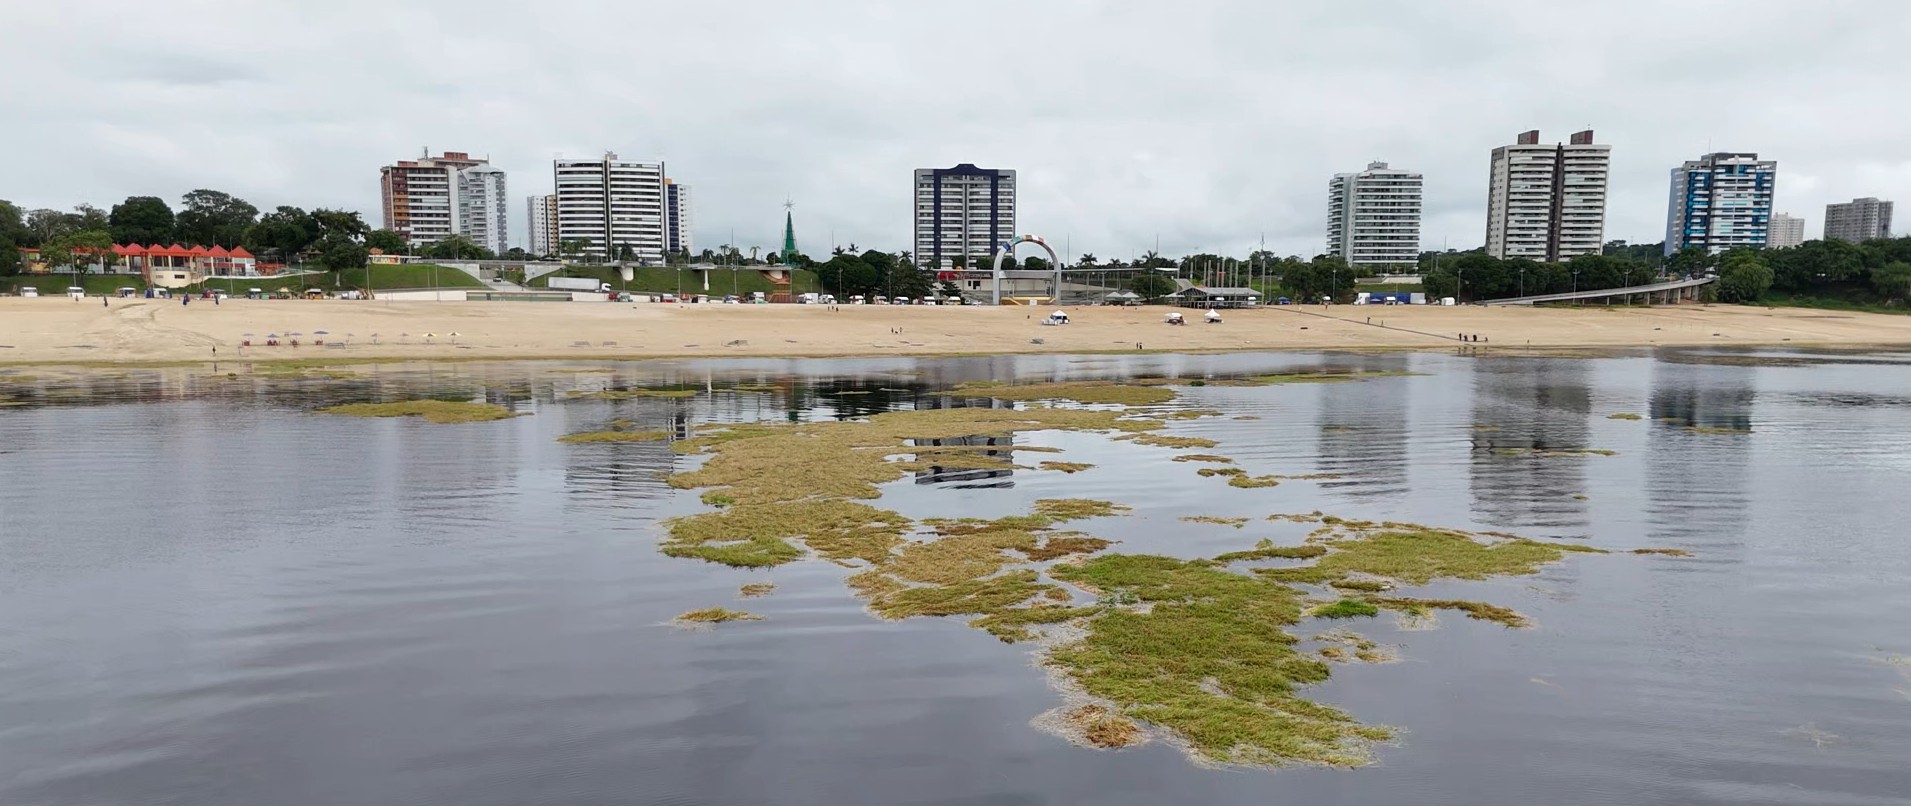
(59, 330)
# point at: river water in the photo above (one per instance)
(209, 595)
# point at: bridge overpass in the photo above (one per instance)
(1667, 292)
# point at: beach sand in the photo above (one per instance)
(59, 330)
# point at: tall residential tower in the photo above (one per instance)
(1858, 220)
(677, 217)
(962, 212)
(1547, 202)
(433, 198)
(542, 224)
(1787, 232)
(613, 206)
(1720, 201)
(1373, 218)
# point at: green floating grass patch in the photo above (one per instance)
(1479, 611)
(1707, 429)
(1166, 441)
(1421, 556)
(716, 615)
(1346, 608)
(1234, 522)
(757, 536)
(1664, 552)
(1204, 457)
(1267, 550)
(433, 411)
(1066, 467)
(1624, 416)
(1013, 624)
(756, 590)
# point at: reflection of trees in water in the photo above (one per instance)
(1363, 427)
(1696, 483)
(1522, 405)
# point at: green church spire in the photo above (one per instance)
(789, 232)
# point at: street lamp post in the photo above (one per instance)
(1522, 281)
(1575, 285)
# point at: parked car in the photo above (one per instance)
(29, 291)
(75, 292)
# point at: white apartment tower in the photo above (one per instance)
(483, 208)
(1547, 202)
(611, 204)
(1373, 217)
(962, 212)
(433, 198)
(542, 220)
(1858, 220)
(677, 213)
(1787, 232)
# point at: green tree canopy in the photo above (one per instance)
(141, 220)
(456, 247)
(283, 233)
(384, 240)
(1151, 283)
(210, 217)
(338, 253)
(341, 223)
(1743, 276)
(1892, 280)
(79, 249)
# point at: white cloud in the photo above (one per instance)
(1209, 124)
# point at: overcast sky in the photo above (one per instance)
(1210, 125)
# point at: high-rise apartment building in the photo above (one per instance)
(1786, 232)
(962, 212)
(542, 224)
(484, 211)
(611, 204)
(433, 198)
(1373, 217)
(1720, 201)
(1547, 202)
(1858, 220)
(677, 217)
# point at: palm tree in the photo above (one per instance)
(1087, 260)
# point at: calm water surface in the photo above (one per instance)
(210, 596)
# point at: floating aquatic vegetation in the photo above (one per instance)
(1066, 467)
(1234, 522)
(1310, 517)
(1220, 471)
(716, 615)
(1624, 416)
(1708, 429)
(1101, 727)
(755, 590)
(1167, 441)
(1204, 457)
(1480, 611)
(1664, 552)
(1198, 649)
(1346, 608)
(1090, 392)
(1267, 550)
(435, 411)
(616, 436)
(1553, 452)
(1187, 414)
(1254, 481)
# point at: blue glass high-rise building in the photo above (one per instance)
(1721, 201)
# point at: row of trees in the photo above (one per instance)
(335, 239)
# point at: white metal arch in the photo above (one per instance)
(1008, 248)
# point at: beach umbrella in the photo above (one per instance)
(271, 335)
(246, 334)
(321, 332)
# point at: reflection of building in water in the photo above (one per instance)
(1521, 407)
(967, 477)
(1364, 429)
(1696, 483)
